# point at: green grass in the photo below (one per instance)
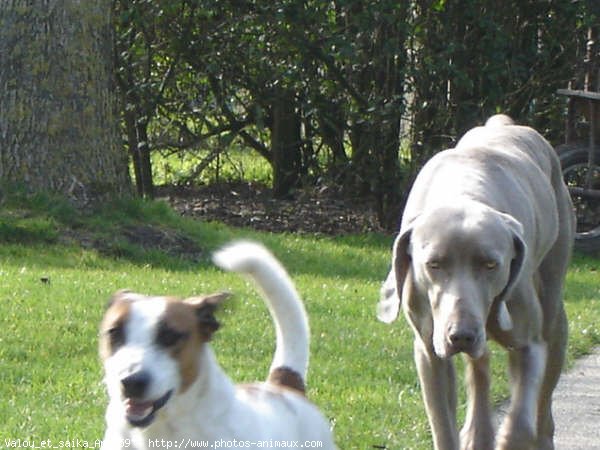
(361, 373)
(233, 165)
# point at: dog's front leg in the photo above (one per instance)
(527, 365)
(438, 387)
(114, 440)
(478, 431)
(117, 436)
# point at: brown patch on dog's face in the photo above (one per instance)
(179, 334)
(112, 328)
(186, 326)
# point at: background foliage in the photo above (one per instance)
(345, 92)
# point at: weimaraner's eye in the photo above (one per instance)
(434, 264)
(490, 265)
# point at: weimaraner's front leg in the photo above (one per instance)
(438, 387)
(527, 366)
(478, 431)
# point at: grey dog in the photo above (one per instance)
(482, 253)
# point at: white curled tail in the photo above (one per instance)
(281, 297)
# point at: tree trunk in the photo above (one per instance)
(58, 122)
(285, 144)
(332, 125)
(139, 151)
(376, 167)
(143, 153)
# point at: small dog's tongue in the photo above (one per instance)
(138, 410)
(141, 414)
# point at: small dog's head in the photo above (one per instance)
(151, 348)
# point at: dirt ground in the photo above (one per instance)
(322, 211)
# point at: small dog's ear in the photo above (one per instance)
(205, 308)
(120, 295)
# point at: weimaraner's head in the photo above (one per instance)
(462, 261)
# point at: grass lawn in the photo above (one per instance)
(53, 293)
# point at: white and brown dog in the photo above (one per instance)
(166, 387)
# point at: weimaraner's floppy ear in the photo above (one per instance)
(391, 290)
(516, 266)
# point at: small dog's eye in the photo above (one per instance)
(116, 335)
(168, 337)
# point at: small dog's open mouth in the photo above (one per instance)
(141, 414)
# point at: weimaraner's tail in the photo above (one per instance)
(499, 120)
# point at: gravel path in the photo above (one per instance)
(577, 406)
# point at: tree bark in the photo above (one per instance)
(58, 122)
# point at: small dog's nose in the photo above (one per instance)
(134, 385)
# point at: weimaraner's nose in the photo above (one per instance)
(462, 339)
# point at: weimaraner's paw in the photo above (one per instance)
(477, 438)
(545, 443)
(476, 443)
(515, 437)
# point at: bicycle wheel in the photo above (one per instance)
(574, 163)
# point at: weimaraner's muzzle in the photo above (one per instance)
(482, 252)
